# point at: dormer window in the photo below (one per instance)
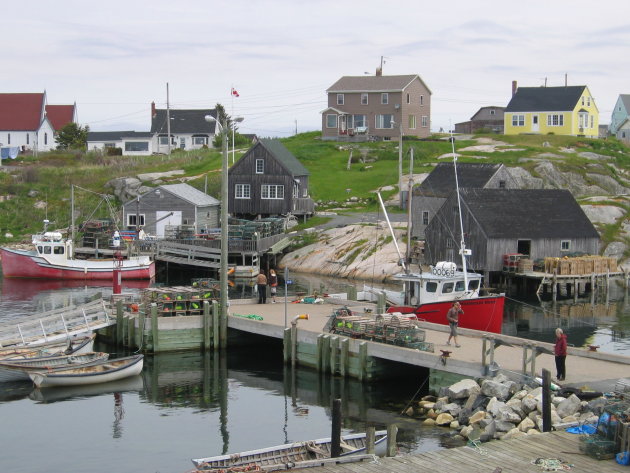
(260, 166)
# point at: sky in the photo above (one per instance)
(114, 58)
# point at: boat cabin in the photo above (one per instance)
(52, 245)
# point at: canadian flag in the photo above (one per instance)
(235, 92)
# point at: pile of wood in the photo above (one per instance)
(581, 265)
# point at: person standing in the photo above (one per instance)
(273, 282)
(261, 282)
(560, 351)
(453, 320)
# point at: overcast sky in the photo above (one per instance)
(114, 58)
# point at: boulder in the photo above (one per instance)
(463, 389)
(452, 408)
(429, 422)
(513, 433)
(503, 426)
(519, 395)
(426, 404)
(596, 406)
(444, 419)
(569, 406)
(454, 425)
(528, 403)
(526, 424)
(507, 414)
(409, 412)
(515, 405)
(494, 406)
(464, 416)
(492, 388)
(489, 432)
(476, 417)
(533, 432)
(466, 431)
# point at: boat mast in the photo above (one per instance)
(462, 244)
(391, 230)
(72, 213)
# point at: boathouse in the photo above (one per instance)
(430, 195)
(537, 223)
(269, 181)
(172, 207)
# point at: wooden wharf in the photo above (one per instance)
(507, 456)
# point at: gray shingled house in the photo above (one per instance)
(487, 118)
(171, 205)
(533, 222)
(430, 195)
(269, 181)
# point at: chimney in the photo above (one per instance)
(379, 71)
(514, 87)
(153, 112)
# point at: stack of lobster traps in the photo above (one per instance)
(394, 329)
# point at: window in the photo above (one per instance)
(555, 120)
(412, 122)
(583, 99)
(199, 140)
(132, 222)
(331, 121)
(163, 140)
(28, 138)
(447, 288)
(422, 100)
(357, 121)
(425, 217)
(364, 99)
(583, 120)
(459, 286)
(588, 101)
(58, 250)
(501, 184)
(242, 191)
(272, 192)
(8, 138)
(45, 138)
(260, 166)
(47, 250)
(449, 243)
(109, 145)
(425, 121)
(384, 121)
(473, 284)
(296, 190)
(431, 287)
(408, 99)
(492, 112)
(137, 146)
(518, 120)
(340, 99)
(592, 121)
(565, 245)
(384, 98)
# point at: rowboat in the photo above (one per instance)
(294, 454)
(98, 372)
(71, 346)
(16, 370)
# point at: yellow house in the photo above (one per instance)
(569, 110)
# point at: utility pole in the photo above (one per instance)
(168, 120)
(400, 163)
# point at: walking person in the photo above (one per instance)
(273, 282)
(261, 282)
(453, 320)
(560, 350)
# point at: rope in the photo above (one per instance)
(476, 445)
(552, 464)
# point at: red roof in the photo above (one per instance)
(21, 112)
(60, 115)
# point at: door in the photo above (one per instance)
(182, 143)
(160, 225)
(524, 247)
(535, 127)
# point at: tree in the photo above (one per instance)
(226, 121)
(72, 136)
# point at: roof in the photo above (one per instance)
(441, 181)
(374, 83)
(284, 156)
(545, 99)
(184, 121)
(516, 213)
(498, 109)
(21, 112)
(99, 136)
(625, 99)
(60, 115)
(190, 194)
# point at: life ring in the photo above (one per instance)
(413, 300)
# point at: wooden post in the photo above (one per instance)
(370, 439)
(526, 346)
(216, 329)
(335, 438)
(392, 431)
(334, 343)
(546, 400)
(483, 353)
(325, 353)
(154, 328)
(363, 361)
(320, 354)
(142, 320)
(380, 303)
(119, 321)
(344, 358)
(533, 365)
(131, 342)
(207, 326)
(293, 344)
(286, 348)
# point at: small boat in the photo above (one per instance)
(277, 458)
(71, 346)
(17, 370)
(99, 372)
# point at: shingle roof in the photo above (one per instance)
(441, 181)
(282, 154)
(184, 121)
(190, 194)
(528, 213)
(59, 115)
(373, 83)
(21, 112)
(545, 99)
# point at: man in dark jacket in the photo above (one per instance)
(560, 351)
(261, 282)
(453, 320)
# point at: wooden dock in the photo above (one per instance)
(504, 456)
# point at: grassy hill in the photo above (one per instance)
(33, 189)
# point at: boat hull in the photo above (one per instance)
(481, 313)
(27, 264)
(18, 370)
(80, 346)
(96, 373)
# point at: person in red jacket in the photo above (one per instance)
(561, 354)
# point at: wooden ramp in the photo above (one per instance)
(506, 456)
(56, 324)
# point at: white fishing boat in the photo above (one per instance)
(294, 454)
(99, 372)
(70, 346)
(17, 370)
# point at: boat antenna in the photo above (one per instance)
(401, 260)
(462, 244)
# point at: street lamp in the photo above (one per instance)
(223, 285)
(234, 122)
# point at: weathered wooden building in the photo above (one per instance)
(533, 222)
(269, 181)
(430, 195)
(486, 118)
(171, 205)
